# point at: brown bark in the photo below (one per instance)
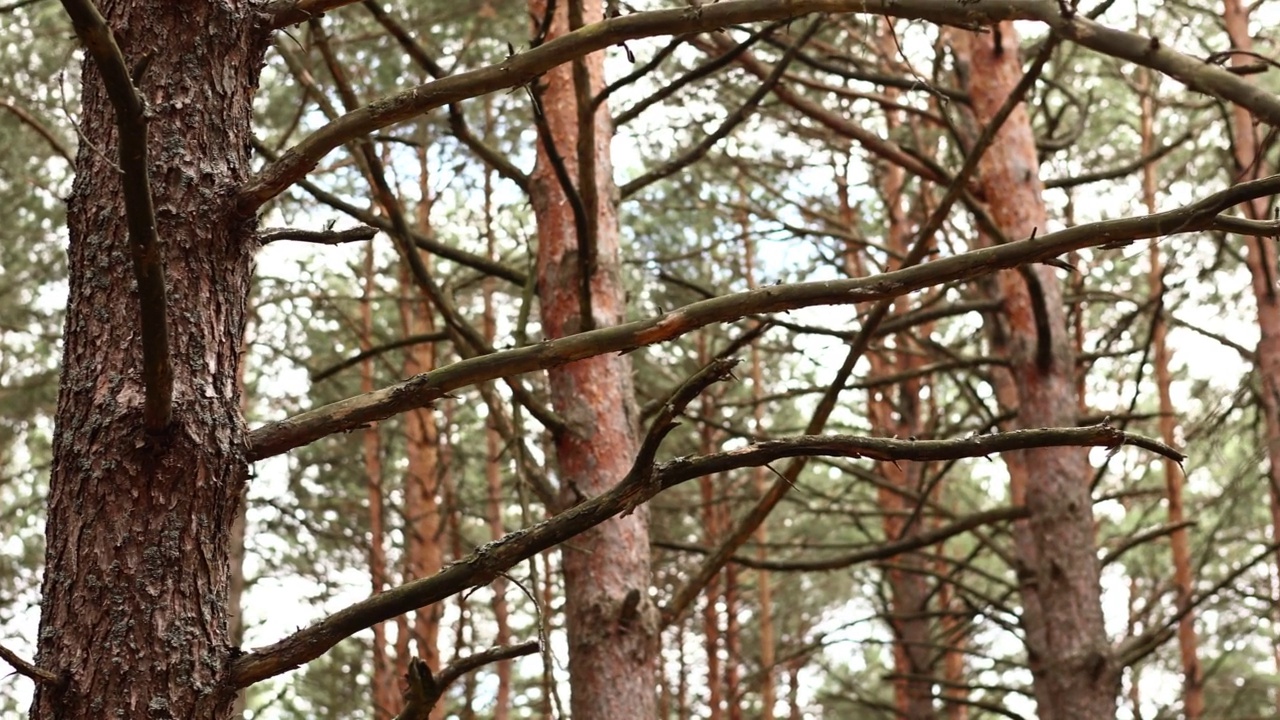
(424, 525)
(712, 517)
(760, 484)
(1260, 256)
(612, 658)
(1179, 539)
(134, 612)
(385, 697)
(1073, 675)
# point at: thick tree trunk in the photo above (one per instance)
(1073, 676)
(139, 525)
(612, 650)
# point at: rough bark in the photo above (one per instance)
(1073, 674)
(612, 653)
(138, 528)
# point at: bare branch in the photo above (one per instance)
(322, 237)
(488, 561)
(42, 130)
(419, 391)
(26, 668)
(148, 262)
(524, 67)
(881, 551)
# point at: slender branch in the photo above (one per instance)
(735, 118)
(419, 391)
(488, 561)
(522, 68)
(42, 130)
(144, 244)
(378, 350)
(881, 551)
(321, 237)
(26, 668)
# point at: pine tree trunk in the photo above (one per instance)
(612, 653)
(1073, 677)
(138, 528)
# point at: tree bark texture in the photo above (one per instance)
(138, 529)
(612, 653)
(1073, 675)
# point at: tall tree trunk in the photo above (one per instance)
(138, 526)
(612, 649)
(385, 697)
(1073, 676)
(1179, 540)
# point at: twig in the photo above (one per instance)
(321, 237)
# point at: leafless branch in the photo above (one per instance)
(42, 130)
(522, 68)
(27, 669)
(489, 561)
(419, 391)
(322, 237)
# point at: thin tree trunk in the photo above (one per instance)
(1072, 673)
(909, 592)
(711, 528)
(1179, 539)
(385, 697)
(493, 472)
(424, 524)
(760, 484)
(612, 648)
(138, 525)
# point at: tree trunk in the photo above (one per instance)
(385, 698)
(138, 528)
(612, 650)
(1179, 540)
(1073, 676)
(1260, 256)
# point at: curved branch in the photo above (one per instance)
(419, 391)
(523, 68)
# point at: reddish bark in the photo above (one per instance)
(1260, 256)
(908, 590)
(612, 657)
(1072, 673)
(1179, 539)
(138, 525)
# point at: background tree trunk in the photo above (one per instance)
(612, 657)
(134, 610)
(1070, 658)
